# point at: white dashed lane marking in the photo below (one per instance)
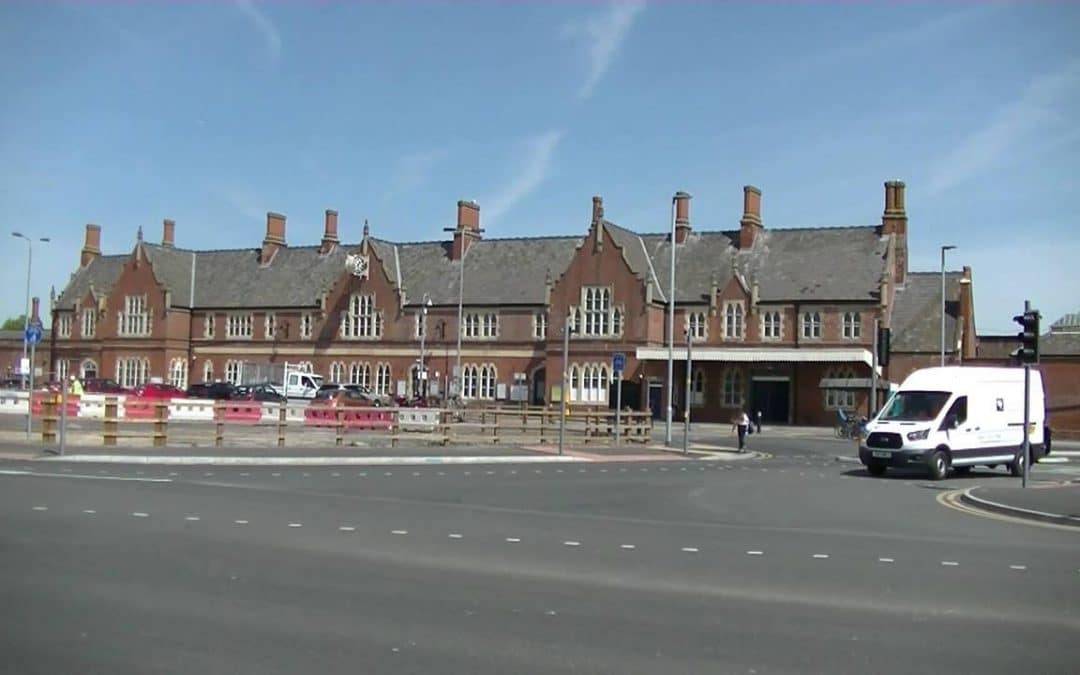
(41, 508)
(886, 560)
(399, 531)
(571, 543)
(241, 522)
(191, 518)
(949, 563)
(513, 540)
(1019, 568)
(347, 528)
(755, 553)
(89, 511)
(296, 524)
(628, 547)
(454, 535)
(689, 549)
(821, 556)
(140, 514)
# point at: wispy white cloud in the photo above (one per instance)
(1011, 126)
(533, 169)
(413, 170)
(262, 23)
(603, 34)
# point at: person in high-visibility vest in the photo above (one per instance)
(76, 387)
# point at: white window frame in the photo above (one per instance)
(63, 325)
(269, 326)
(360, 373)
(134, 319)
(732, 388)
(734, 320)
(208, 327)
(208, 371)
(697, 326)
(488, 382)
(810, 324)
(772, 325)
(131, 371)
(307, 322)
(420, 325)
(481, 326)
(539, 325)
(178, 373)
(589, 383)
(234, 371)
(337, 372)
(89, 323)
(597, 315)
(93, 367)
(61, 370)
(851, 328)
(362, 319)
(238, 325)
(383, 378)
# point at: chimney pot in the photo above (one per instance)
(682, 216)
(894, 222)
(168, 233)
(91, 245)
(468, 228)
(330, 236)
(597, 208)
(750, 224)
(275, 236)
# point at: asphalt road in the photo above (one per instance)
(795, 563)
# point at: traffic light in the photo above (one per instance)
(1028, 351)
(883, 336)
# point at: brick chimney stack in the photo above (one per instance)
(168, 233)
(329, 238)
(894, 222)
(91, 245)
(682, 216)
(750, 225)
(35, 310)
(468, 228)
(275, 237)
(597, 209)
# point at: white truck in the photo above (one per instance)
(956, 417)
(300, 384)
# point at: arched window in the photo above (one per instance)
(382, 379)
(469, 384)
(88, 369)
(61, 369)
(208, 371)
(811, 325)
(337, 372)
(852, 326)
(616, 321)
(487, 382)
(178, 373)
(733, 321)
(733, 388)
(234, 371)
(575, 391)
(770, 325)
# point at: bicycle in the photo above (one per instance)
(850, 427)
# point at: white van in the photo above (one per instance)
(957, 417)
(301, 385)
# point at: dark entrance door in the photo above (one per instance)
(656, 391)
(771, 397)
(539, 385)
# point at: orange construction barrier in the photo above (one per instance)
(242, 412)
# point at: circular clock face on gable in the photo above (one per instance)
(357, 265)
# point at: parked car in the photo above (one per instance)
(363, 392)
(258, 392)
(11, 383)
(159, 391)
(103, 385)
(219, 391)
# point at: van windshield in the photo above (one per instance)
(914, 406)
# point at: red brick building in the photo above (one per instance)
(781, 319)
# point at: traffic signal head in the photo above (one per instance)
(1028, 352)
(884, 337)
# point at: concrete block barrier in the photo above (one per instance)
(418, 419)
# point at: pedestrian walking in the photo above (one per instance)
(76, 387)
(757, 421)
(740, 423)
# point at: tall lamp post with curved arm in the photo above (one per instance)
(29, 267)
(425, 302)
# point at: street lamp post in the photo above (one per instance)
(29, 267)
(943, 249)
(456, 378)
(568, 327)
(671, 333)
(424, 304)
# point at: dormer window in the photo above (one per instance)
(733, 320)
(695, 325)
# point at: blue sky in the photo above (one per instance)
(211, 114)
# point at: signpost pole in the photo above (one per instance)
(1027, 413)
(618, 407)
(871, 408)
(30, 391)
(686, 403)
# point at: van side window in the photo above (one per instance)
(957, 413)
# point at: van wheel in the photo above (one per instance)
(1016, 467)
(876, 468)
(939, 465)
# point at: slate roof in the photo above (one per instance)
(1069, 323)
(916, 314)
(101, 273)
(497, 271)
(1063, 338)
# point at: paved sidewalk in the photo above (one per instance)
(1057, 503)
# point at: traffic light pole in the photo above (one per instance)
(871, 408)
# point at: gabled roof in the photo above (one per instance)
(497, 271)
(100, 274)
(1070, 323)
(916, 314)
